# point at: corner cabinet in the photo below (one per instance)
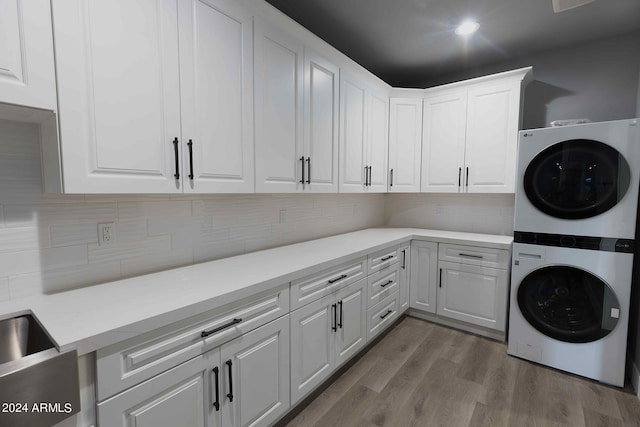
(27, 75)
(405, 144)
(151, 100)
(364, 135)
(470, 132)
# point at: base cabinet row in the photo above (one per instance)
(241, 383)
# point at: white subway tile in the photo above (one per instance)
(143, 209)
(150, 263)
(74, 234)
(22, 262)
(4, 289)
(54, 214)
(122, 249)
(23, 238)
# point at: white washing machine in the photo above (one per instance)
(570, 306)
(579, 180)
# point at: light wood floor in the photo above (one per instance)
(422, 374)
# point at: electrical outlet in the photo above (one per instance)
(283, 216)
(106, 233)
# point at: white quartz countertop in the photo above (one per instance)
(96, 316)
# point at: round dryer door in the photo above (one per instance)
(568, 304)
(576, 179)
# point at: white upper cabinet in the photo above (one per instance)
(470, 134)
(278, 109)
(27, 75)
(119, 95)
(364, 136)
(216, 83)
(155, 96)
(405, 144)
(321, 101)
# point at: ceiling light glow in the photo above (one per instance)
(467, 27)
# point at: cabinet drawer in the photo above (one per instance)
(382, 284)
(381, 315)
(381, 259)
(315, 286)
(130, 362)
(474, 255)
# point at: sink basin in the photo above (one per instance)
(38, 384)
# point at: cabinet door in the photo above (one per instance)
(443, 142)
(492, 135)
(405, 145)
(27, 76)
(118, 91)
(352, 134)
(216, 83)
(321, 100)
(174, 398)
(278, 110)
(312, 345)
(378, 141)
(404, 278)
(424, 275)
(256, 376)
(352, 320)
(473, 294)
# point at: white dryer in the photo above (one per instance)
(570, 306)
(579, 180)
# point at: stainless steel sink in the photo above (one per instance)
(38, 384)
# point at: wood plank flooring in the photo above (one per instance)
(423, 374)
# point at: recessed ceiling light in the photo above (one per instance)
(467, 27)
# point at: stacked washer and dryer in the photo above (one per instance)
(575, 224)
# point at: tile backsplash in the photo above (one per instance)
(49, 243)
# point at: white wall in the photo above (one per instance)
(48, 243)
(476, 213)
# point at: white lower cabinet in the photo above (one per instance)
(424, 275)
(244, 382)
(382, 315)
(324, 334)
(462, 283)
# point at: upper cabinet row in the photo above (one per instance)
(209, 96)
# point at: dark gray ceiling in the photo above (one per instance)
(409, 42)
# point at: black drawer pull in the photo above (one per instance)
(387, 284)
(386, 314)
(470, 256)
(340, 322)
(175, 151)
(386, 258)
(459, 174)
(440, 277)
(308, 170)
(218, 329)
(230, 394)
(337, 278)
(404, 259)
(302, 177)
(216, 373)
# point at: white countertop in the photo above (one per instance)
(96, 316)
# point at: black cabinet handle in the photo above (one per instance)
(459, 177)
(334, 280)
(218, 329)
(190, 145)
(370, 167)
(302, 165)
(391, 179)
(308, 170)
(340, 322)
(334, 326)
(470, 256)
(175, 151)
(467, 182)
(440, 277)
(366, 176)
(386, 314)
(387, 258)
(216, 373)
(404, 259)
(230, 394)
(387, 284)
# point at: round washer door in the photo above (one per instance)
(576, 179)
(568, 304)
